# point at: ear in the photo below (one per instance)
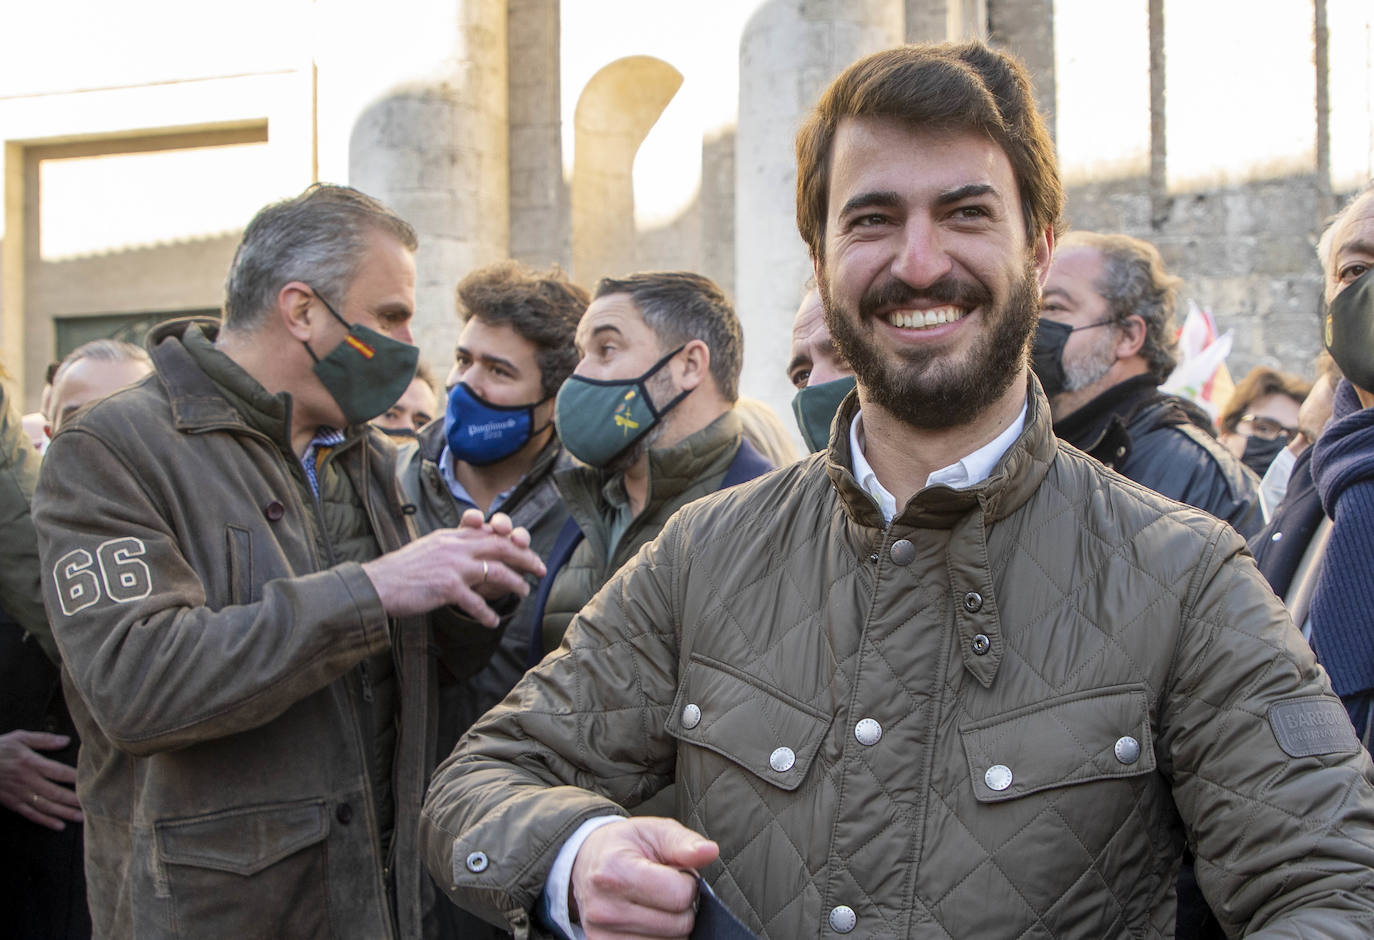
(293, 309)
(694, 364)
(1042, 253)
(1130, 337)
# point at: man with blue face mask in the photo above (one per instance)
(495, 450)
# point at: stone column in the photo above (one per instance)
(419, 96)
(789, 52)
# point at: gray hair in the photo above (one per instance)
(102, 350)
(679, 307)
(1134, 283)
(1333, 223)
(318, 238)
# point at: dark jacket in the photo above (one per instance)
(213, 658)
(690, 469)
(534, 504)
(1280, 546)
(1160, 441)
(1000, 716)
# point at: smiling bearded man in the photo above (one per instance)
(949, 678)
(923, 390)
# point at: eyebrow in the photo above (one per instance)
(1056, 292)
(884, 199)
(798, 360)
(489, 359)
(967, 191)
(1359, 246)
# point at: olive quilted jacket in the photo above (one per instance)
(1001, 716)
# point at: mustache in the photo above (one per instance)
(948, 290)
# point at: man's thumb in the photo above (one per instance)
(677, 846)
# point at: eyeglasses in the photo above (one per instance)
(1265, 428)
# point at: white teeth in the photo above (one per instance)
(918, 319)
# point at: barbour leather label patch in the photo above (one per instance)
(1311, 727)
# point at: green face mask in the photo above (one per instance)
(598, 421)
(815, 407)
(367, 372)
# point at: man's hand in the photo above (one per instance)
(33, 786)
(468, 565)
(634, 879)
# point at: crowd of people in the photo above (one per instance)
(298, 643)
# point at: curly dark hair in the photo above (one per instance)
(542, 306)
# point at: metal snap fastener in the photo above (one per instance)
(1276, 537)
(873, 558)
(274, 511)
(477, 862)
(1127, 749)
(903, 552)
(998, 777)
(343, 813)
(981, 644)
(691, 717)
(843, 919)
(782, 759)
(868, 732)
(973, 602)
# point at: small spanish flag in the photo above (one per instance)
(366, 351)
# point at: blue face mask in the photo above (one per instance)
(480, 433)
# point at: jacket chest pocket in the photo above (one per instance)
(1100, 734)
(238, 872)
(760, 729)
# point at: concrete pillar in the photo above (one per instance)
(419, 97)
(940, 20)
(789, 52)
(540, 226)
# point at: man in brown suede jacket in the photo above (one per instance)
(240, 606)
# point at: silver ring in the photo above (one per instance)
(35, 799)
(484, 573)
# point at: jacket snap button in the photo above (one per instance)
(274, 510)
(843, 918)
(873, 558)
(981, 644)
(691, 717)
(782, 759)
(998, 777)
(868, 732)
(344, 813)
(973, 602)
(477, 862)
(903, 552)
(1276, 536)
(1127, 749)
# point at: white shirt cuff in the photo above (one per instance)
(560, 877)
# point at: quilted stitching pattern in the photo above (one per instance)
(1097, 584)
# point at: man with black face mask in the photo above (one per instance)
(1342, 609)
(249, 626)
(1105, 342)
(650, 412)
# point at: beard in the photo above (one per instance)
(1093, 364)
(661, 391)
(926, 388)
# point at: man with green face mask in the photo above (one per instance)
(243, 610)
(650, 412)
(817, 370)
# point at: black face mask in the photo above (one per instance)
(1260, 453)
(1047, 353)
(1348, 331)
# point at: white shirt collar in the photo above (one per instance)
(963, 473)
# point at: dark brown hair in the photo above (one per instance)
(543, 307)
(963, 86)
(1260, 383)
